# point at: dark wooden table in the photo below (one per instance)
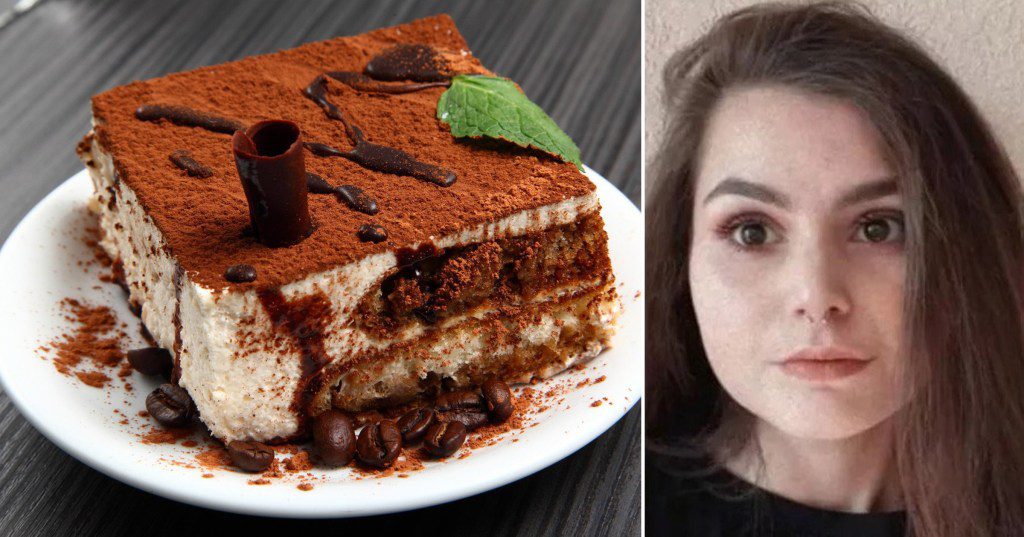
(578, 59)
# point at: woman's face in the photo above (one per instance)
(797, 262)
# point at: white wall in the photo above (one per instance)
(979, 42)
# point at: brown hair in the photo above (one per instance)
(960, 439)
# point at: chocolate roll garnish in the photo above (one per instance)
(269, 160)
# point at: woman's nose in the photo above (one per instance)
(820, 284)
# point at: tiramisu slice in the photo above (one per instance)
(352, 251)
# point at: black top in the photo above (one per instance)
(691, 497)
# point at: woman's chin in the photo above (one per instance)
(824, 420)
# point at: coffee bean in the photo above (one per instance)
(240, 273)
(499, 400)
(250, 456)
(372, 233)
(472, 419)
(170, 405)
(444, 438)
(378, 444)
(414, 423)
(334, 438)
(151, 361)
(460, 400)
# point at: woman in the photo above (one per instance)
(834, 261)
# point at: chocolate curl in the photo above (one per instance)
(269, 160)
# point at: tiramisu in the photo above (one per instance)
(304, 230)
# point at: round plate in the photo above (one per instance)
(45, 260)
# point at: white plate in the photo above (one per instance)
(38, 268)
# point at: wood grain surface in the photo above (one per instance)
(578, 59)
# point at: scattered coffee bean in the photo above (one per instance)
(334, 438)
(151, 361)
(472, 419)
(378, 444)
(240, 273)
(499, 400)
(414, 423)
(170, 405)
(250, 456)
(460, 400)
(444, 438)
(372, 233)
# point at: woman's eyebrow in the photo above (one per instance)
(858, 194)
(869, 191)
(750, 189)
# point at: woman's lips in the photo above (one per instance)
(823, 364)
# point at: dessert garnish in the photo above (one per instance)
(353, 196)
(170, 405)
(334, 438)
(378, 444)
(240, 273)
(151, 361)
(476, 106)
(417, 62)
(361, 82)
(444, 438)
(367, 154)
(372, 233)
(184, 160)
(187, 117)
(270, 163)
(250, 456)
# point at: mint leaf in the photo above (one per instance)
(476, 106)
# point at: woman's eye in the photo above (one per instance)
(880, 229)
(752, 234)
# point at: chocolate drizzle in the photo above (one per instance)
(367, 154)
(417, 62)
(353, 196)
(270, 163)
(305, 321)
(179, 273)
(361, 82)
(323, 150)
(317, 184)
(358, 200)
(187, 117)
(183, 159)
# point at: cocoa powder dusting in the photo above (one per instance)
(214, 458)
(496, 179)
(92, 348)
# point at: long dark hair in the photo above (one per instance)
(960, 438)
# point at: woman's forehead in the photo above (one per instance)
(813, 148)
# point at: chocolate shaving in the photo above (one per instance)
(183, 159)
(187, 117)
(408, 62)
(361, 82)
(270, 163)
